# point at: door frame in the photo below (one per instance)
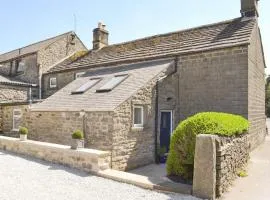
(171, 128)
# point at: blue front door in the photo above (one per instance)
(165, 129)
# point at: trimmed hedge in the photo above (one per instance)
(23, 131)
(77, 135)
(182, 148)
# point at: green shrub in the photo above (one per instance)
(242, 173)
(162, 151)
(182, 148)
(77, 134)
(23, 131)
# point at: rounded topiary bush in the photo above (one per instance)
(181, 156)
(23, 131)
(77, 135)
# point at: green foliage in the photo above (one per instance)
(77, 134)
(242, 173)
(182, 148)
(23, 131)
(78, 55)
(162, 151)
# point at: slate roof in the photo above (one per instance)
(138, 76)
(8, 81)
(219, 35)
(32, 48)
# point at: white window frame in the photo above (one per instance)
(52, 85)
(79, 74)
(18, 117)
(142, 117)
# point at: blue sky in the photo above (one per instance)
(28, 21)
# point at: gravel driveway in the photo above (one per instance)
(32, 179)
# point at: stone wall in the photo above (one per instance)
(232, 156)
(1, 119)
(62, 78)
(256, 90)
(57, 51)
(13, 93)
(53, 54)
(217, 162)
(30, 74)
(214, 81)
(134, 147)
(57, 127)
(88, 160)
(7, 117)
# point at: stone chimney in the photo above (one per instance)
(100, 36)
(249, 8)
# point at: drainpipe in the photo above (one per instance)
(156, 124)
(39, 82)
(30, 95)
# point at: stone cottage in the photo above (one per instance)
(132, 95)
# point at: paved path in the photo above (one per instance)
(256, 185)
(24, 178)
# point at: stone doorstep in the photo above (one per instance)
(145, 182)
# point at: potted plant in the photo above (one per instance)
(77, 139)
(23, 133)
(162, 154)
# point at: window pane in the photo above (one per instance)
(112, 83)
(16, 119)
(86, 86)
(52, 82)
(21, 67)
(137, 115)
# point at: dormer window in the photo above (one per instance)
(20, 67)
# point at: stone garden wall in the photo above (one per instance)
(217, 162)
(232, 156)
(89, 160)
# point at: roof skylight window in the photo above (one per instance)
(86, 86)
(116, 80)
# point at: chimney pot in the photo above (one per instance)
(249, 8)
(100, 36)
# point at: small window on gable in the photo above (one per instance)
(138, 116)
(116, 80)
(20, 67)
(53, 82)
(17, 115)
(86, 86)
(79, 74)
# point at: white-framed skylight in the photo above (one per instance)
(86, 86)
(79, 74)
(112, 83)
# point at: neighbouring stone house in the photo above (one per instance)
(132, 95)
(29, 63)
(21, 70)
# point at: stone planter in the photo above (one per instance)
(23, 137)
(77, 143)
